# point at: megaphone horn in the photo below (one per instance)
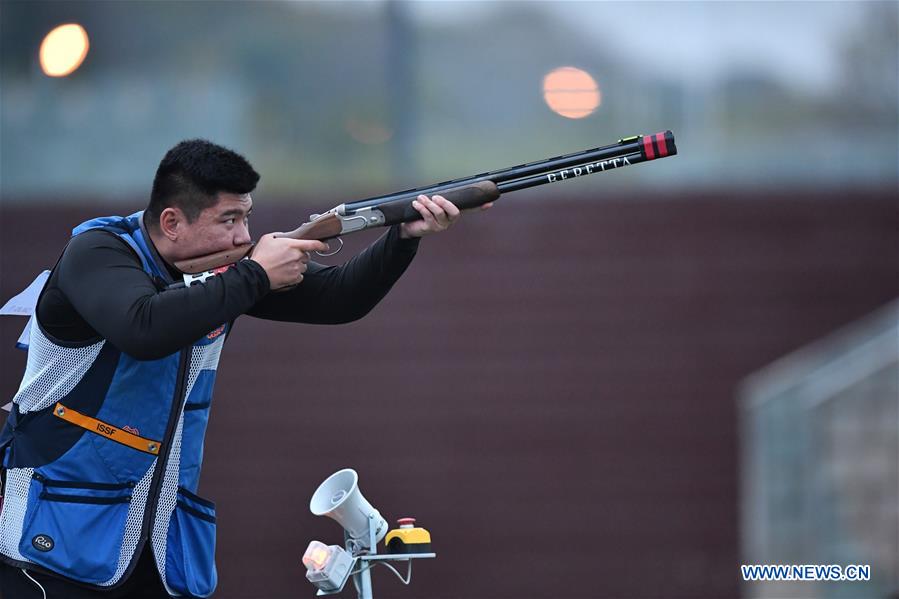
(339, 498)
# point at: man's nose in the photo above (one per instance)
(242, 235)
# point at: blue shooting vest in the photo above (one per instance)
(103, 452)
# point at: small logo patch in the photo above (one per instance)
(42, 543)
(131, 429)
(216, 332)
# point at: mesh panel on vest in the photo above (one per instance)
(51, 371)
(167, 500)
(204, 357)
(15, 502)
(133, 524)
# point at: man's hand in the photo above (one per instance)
(438, 214)
(283, 259)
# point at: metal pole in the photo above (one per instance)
(365, 575)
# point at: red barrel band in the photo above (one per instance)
(647, 147)
(661, 144)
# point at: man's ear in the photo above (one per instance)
(172, 222)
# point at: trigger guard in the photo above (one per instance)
(339, 247)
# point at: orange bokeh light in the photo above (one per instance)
(63, 50)
(571, 92)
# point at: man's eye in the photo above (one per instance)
(230, 221)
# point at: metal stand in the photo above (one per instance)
(366, 560)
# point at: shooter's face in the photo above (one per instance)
(220, 227)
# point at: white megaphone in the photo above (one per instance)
(339, 498)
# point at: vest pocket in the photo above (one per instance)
(75, 528)
(196, 417)
(190, 547)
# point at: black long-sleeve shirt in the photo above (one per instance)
(99, 290)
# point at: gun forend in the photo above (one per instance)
(465, 197)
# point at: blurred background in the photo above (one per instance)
(623, 386)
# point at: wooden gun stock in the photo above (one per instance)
(212, 261)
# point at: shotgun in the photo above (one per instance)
(465, 193)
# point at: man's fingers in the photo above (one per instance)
(307, 245)
(426, 214)
(435, 208)
(452, 212)
(439, 215)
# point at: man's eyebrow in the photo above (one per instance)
(235, 212)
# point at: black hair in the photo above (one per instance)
(192, 174)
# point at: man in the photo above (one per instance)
(103, 447)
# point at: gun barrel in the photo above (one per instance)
(638, 148)
(572, 172)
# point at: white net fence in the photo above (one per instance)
(820, 461)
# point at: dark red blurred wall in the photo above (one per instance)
(549, 389)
